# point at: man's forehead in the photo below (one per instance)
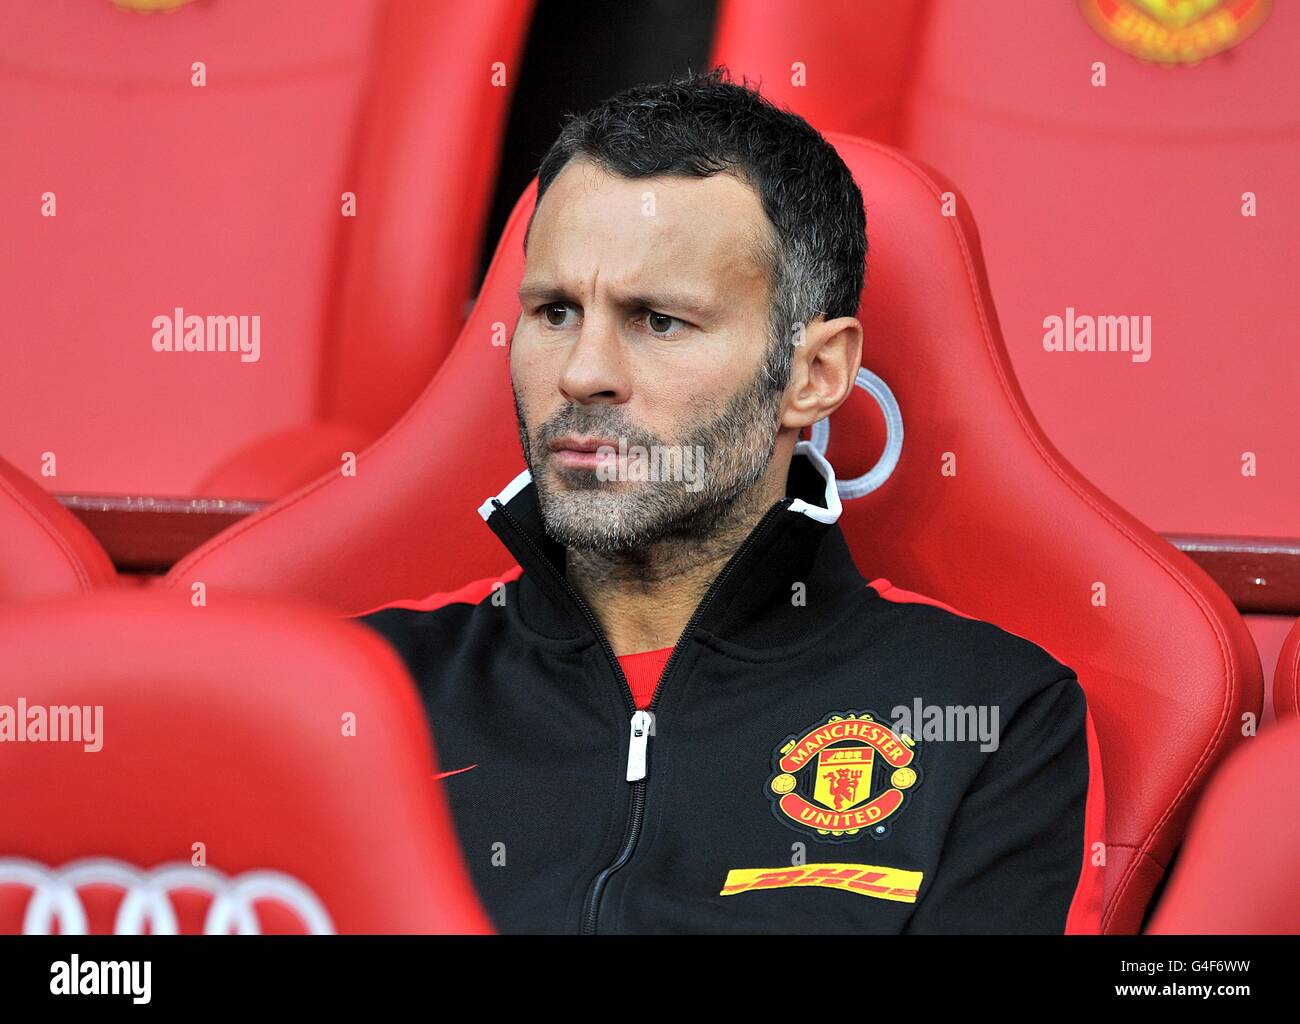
(706, 231)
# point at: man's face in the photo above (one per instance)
(644, 326)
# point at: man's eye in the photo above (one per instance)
(661, 323)
(555, 313)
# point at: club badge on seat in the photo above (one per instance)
(1175, 31)
(150, 6)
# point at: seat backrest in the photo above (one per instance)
(981, 513)
(426, 159)
(128, 192)
(45, 551)
(1127, 200)
(795, 49)
(266, 765)
(1236, 872)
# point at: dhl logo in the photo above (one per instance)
(882, 883)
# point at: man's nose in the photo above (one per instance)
(595, 369)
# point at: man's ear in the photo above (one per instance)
(827, 355)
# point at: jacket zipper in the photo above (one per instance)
(642, 722)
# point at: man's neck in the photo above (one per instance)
(644, 598)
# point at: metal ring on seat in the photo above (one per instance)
(884, 467)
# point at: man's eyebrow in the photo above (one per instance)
(540, 291)
(681, 302)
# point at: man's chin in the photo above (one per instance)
(586, 480)
(594, 519)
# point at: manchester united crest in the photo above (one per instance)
(843, 777)
(1174, 31)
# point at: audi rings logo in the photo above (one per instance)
(148, 900)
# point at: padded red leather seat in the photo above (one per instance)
(1236, 874)
(227, 200)
(289, 749)
(1016, 536)
(45, 551)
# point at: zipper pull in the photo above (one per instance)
(642, 725)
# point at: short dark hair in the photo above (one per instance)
(703, 124)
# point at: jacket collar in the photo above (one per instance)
(756, 600)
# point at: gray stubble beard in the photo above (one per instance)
(593, 515)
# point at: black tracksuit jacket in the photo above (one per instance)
(777, 787)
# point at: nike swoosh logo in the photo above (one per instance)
(443, 775)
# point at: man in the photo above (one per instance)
(685, 710)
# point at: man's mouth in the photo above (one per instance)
(583, 452)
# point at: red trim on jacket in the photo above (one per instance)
(470, 593)
(1084, 917)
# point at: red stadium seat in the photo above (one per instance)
(1286, 678)
(1236, 874)
(45, 551)
(1016, 536)
(252, 766)
(227, 200)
